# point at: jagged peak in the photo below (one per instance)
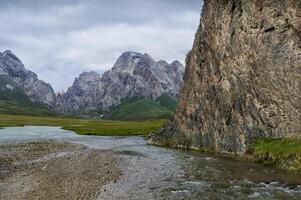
(162, 62)
(9, 53)
(89, 74)
(86, 77)
(130, 54)
(178, 65)
(176, 62)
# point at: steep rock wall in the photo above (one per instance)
(243, 77)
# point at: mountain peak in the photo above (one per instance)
(38, 91)
(129, 60)
(7, 52)
(178, 65)
(130, 54)
(10, 54)
(133, 75)
(87, 77)
(176, 62)
(91, 74)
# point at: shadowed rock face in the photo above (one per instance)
(133, 75)
(243, 77)
(38, 91)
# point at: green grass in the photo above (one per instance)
(15, 102)
(279, 147)
(168, 102)
(140, 109)
(16, 109)
(283, 153)
(86, 127)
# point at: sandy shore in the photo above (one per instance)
(52, 170)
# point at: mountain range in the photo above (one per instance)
(134, 77)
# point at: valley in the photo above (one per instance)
(86, 126)
(126, 125)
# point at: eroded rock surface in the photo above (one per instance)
(243, 77)
(133, 75)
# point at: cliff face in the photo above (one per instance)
(81, 96)
(133, 75)
(243, 77)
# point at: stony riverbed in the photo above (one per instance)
(49, 163)
(54, 170)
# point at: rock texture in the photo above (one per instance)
(82, 96)
(243, 77)
(133, 75)
(38, 91)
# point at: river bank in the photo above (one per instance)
(281, 153)
(148, 172)
(54, 170)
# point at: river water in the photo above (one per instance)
(157, 173)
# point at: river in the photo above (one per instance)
(157, 173)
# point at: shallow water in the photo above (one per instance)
(19, 134)
(158, 173)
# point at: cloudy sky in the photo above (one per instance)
(59, 39)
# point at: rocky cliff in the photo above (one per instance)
(81, 96)
(38, 91)
(243, 77)
(133, 75)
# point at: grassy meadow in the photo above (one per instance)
(85, 126)
(284, 153)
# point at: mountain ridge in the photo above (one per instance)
(133, 75)
(37, 90)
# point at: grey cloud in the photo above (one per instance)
(62, 38)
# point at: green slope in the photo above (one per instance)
(139, 109)
(168, 102)
(14, 101)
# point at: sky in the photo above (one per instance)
(59, 39)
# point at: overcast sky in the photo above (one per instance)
(59, 39)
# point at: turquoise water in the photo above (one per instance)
(158, 173)
(19, 134)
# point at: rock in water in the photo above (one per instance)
(243, 77)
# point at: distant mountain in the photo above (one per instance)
(38, 91)
(133, 75)
(13, 100)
